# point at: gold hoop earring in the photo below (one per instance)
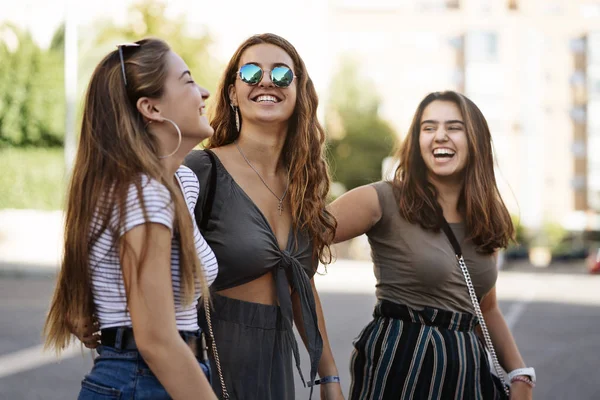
(178, 137)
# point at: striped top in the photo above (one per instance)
(107, 280)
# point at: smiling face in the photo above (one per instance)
(183, 101)
(264, 102)
(443, 140)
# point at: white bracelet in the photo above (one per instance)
(530, 372)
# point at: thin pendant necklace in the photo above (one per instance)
(279, 199)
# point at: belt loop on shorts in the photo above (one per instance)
(119, 338)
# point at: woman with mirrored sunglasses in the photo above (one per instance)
(264, 183)
(133, 255)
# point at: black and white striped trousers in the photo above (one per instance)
(430, 354)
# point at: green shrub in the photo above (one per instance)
(32, 105)
(32, 178)
(358, 138)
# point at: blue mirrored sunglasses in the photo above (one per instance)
(282, 76)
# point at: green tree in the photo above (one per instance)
(32, 100)
(31, 91)
(148, 19)
(359, 139)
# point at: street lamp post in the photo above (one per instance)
(70, 83)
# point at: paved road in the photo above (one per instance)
(555, 318)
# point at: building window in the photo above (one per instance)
(595, 89)
(481, 47)
(577, 46)
(593, 49)
(578, 182)
(552, 7)
(578, 149)
(485, 5)
(437, 5)
(577, 78)
(372, 4)
(593, 83)
(578, 114)
(593, 119)
(590, 9)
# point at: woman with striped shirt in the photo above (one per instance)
(268, 245)
(423, 342)
(133, 255)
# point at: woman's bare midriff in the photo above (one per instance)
(261, 290)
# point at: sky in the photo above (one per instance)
(229, 23)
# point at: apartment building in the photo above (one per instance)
(533, 67)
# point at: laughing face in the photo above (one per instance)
(264, 102)
(443, 140)
(184, 101)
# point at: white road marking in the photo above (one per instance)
(514, 313)
(357, 277)
(34, 357)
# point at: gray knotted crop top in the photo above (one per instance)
(246, 248)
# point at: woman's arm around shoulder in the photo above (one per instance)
(356, 212)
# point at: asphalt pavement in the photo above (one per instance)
(554, 315)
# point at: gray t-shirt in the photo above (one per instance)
(418, 268)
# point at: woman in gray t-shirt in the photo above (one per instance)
(422, 342)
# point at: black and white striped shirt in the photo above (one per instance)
(107, 280)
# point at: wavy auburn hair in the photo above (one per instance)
(303, 151)
(486, 217)
(114, 152)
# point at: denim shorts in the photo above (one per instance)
(123, 374)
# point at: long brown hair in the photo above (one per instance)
(487, 219)
(114, 152)
(302, 153)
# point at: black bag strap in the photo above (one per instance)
(206, 211)
(210, 196)
(448, 231)
(474, 300)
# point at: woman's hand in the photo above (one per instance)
(331, 391)
(520, 391)
(87, 331)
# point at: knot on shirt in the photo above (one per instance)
(291, 273)
(288, 261)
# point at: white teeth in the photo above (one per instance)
(262, 98)
(437, 152)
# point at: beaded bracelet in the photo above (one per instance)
(522, 378)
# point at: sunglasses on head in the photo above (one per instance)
(281, 76)
(120, 47)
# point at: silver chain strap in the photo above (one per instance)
(486, 334)
(214, 350)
